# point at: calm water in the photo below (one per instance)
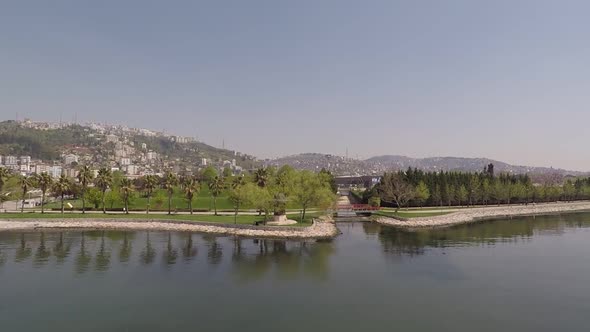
(529, 274)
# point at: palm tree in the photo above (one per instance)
(126, 189)
(169, 182)
(103, 181)
(4, 174)
(61, 186)
(216, 187)
(261, 177)
(237, 182)
(191, 187)
(149, 184)
(44, 181)
(25, 183)
(84, 178)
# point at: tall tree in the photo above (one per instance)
(44, 181)
(104, 180)
(191, 188)
(216, 187)
(238, 195)
(126, 190)
(261, 177)
(461, 194)
(309, 189)
(208, 174)
(4, 175)
(150, 182)
(85, 177)
(422, 193)
(569, 191)
(473, 188)
(61, 187)
(25, 183)
(485, 191)
(395, 189)
(170, 181)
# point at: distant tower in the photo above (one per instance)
(346, 153)
(223, 144)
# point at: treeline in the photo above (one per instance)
(39, 144)
(268, 190)
(419, 188)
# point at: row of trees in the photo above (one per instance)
(418, 188)
(267, 189)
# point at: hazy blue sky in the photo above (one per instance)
(508, 80)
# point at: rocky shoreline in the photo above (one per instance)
(321, 228)
(478, 214)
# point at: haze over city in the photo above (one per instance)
(504, 80)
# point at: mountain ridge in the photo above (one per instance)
(382, 163)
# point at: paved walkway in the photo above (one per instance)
(476, 214)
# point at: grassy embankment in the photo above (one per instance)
(241, 219)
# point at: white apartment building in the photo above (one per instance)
(25, 160)
(151, 155)
(40, 168)
(131, 169)
(70, 158)
(10, 160)
(112, 138)
(55, 171)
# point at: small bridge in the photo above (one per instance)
(354, 210)
(358, 208)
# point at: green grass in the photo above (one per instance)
(159, 202)
(225, 219)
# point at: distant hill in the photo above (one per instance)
(49, 144)
(343, 166)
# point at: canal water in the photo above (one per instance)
(525, 274)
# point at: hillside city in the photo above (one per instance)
(135, 152)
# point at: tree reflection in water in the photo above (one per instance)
(249, 259)
(126, 247)
(521, 229)
(148, 254)
(83, 259)
(42, 254)
(170, 254)
(214, 249)
(189, 251)
(285, 259)
(103, 255)
(23, 252)
(2, 257)
(61, 250)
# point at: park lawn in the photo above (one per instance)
(159, 202)
(225, 219)
(409, 215)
